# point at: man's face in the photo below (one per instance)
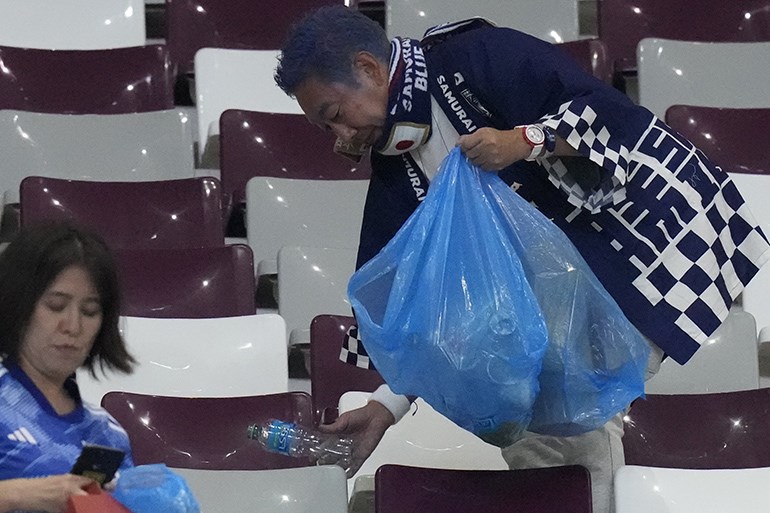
(355, 114)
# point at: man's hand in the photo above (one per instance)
(47, 494)
(492, 149)
(366, 426)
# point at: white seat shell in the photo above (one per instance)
(424, 438)
(72, 24)
(325, 272)
(551, 20)
(705, 74)
(293, 212)
(144, 146)
(226, 356)
(728, 361)
(640, 489)
(234, 79)
(292, 490)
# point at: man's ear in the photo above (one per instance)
(368, 65)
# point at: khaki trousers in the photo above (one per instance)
(600, 451)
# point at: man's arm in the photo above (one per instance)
(367, 425)
(492, 149)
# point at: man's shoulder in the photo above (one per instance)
(440, 34)
(479, 34)
(457, 27)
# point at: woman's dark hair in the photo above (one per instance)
(324, 44)
(28, 266)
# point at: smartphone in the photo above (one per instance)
(98, 463)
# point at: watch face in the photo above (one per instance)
(535, 134)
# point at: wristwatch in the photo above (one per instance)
(535, 136)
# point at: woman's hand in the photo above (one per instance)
(48, 494)
(492, 149)
(366, 426)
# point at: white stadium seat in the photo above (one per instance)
(234, 79)
(225, 356)
(325, 272)
(641, 489)
(555, 21)
(425, 438)
(144, 146)
(292, 490)
(294, 212)
(707, 74)
(72, 25)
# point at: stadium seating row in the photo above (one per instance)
(195, 24)
(189, 299)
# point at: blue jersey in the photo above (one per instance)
(35, 441)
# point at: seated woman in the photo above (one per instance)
(59, 310)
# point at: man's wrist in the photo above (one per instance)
(397, 405)
(534, 137)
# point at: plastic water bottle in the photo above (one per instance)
(291, 439)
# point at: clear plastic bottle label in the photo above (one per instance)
(279, 436)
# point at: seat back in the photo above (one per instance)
(289, 212)
(280, 145)
(683, 72)
(717, 132)
(591, 55)
(674, 490)
(623, 23)
(292, 490)
(325, 271)
(330, 377)
(400, 488)
(424, 437)
(726, 362)
(164, 214)
(555, 21)
(72, 25)
(112, 81)
(142, 146)
(187, 283)
(234, 79)
(699, 431)
(245, 24)
(226, 356)
(205, 433)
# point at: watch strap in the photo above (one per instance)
(537, 148)
(550, 141)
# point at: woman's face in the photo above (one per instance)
(63, 326)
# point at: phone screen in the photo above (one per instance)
(98, 463)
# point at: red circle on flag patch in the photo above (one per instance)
(402, 145)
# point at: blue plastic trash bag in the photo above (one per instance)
(154, 488)
(446, 313)
(484, 308)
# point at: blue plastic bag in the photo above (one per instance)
(484, 308)
(154, 488)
